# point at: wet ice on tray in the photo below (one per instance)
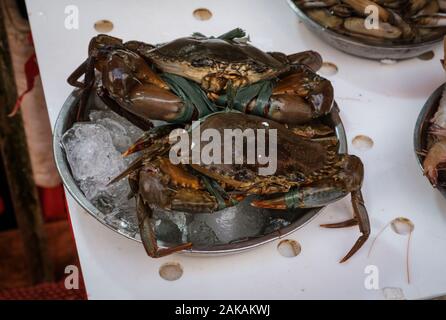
(122, 131)
(94, 161)
(235, 223)
(200, 234)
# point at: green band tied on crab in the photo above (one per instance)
(233, 34)
(236, 33)
(210, 187)
(223, 192)
(293, 199)
(263, 98)
(261, 90)
(192, 95)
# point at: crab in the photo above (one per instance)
(190, 77)
(214, 62)
(310, 174)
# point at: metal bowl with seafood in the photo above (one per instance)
(137, 178)
(403, 30)
(262, 231)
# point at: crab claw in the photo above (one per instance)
(139, 145)
(306, 197)
(149, 137)
(276, 204)
(311, 59)
(303, 82)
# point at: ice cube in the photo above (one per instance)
(235, 223)
(177, 218)
(94, 162)
(124, 218)
(122, 131)
(200, 234)
(168, 232)
(90, 152)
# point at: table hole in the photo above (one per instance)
(328, 69)
(362, 142)
(103, 26)
(402, 226)
(202, 14)
(171, 271)
(289, 248)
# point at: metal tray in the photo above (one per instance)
(422, 126)
(357, 48)
(298, 217)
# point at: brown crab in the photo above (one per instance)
(309, 174)
(213, 62)
(186, 78)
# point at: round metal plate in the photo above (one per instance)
(422, 125)
(357, 48)
(299, 217)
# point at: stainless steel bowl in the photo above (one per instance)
(422, 125)
(297, 218)
(357, 48)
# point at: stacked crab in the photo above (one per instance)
(223, 83)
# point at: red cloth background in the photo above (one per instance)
(53, 202)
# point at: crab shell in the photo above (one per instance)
(299, 161)
(212, 62)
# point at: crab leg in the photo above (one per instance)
(89, 83)
(73, 79)
(87, 68)
(361, 219)
(310, 197)
(324, 192)
(305, 197)
(148, 236)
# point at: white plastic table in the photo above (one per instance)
(377, 100)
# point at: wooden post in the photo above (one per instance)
(14, 153)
